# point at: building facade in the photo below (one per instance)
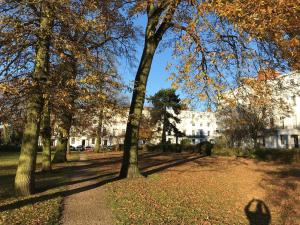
(283, 112)
(196, 126)
(285, 130)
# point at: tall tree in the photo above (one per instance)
(24, 181)
(211, 50)
(159, 15)
(166, 106)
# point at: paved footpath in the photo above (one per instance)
(88, 205)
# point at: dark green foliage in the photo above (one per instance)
(282, 155)
(185, 141)
(10, 148)
(176, 148)
(164, 101)
(205, 148)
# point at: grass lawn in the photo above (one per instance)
(209, 190)
(28, 210)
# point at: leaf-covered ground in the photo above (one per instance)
(187, 189)
(44, 207)
(179, 189)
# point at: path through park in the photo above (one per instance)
(90, 206)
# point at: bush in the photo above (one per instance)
(281, 155)
(185, 142)
(231, 152)
(10, 148)
(205, 148)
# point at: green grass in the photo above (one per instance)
(43, 207)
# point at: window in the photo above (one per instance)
(170, 140)
(272, 122)
(208, 124)
(194, 141)
(73, 141)
(294, 100)
(292, 81)
(282, 122)
(201, 133)
(193, 123)
(282, 139)
(200, 124)
(169, 132)
(93, 141)
(193, 132)
(123, 131)
(208, 133)
(105, 143)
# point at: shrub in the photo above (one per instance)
(185, 141)
(205, 148)
(231, 152)
(281, 155)
(10, 148)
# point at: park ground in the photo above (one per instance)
(178, 188)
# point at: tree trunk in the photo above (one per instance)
(99, 132)
(130, 162)
(60, 155)
(68, 146)
(164, 133)
(24, 180)
(46, 137)
(6, 137)
(66, 114)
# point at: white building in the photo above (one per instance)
(197, 126)
(284, 128)
(285, 132)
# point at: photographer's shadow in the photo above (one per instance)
(257, 213)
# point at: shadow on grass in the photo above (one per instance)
(108, 178)
(168, 164)
(46, 197)
(257, 212)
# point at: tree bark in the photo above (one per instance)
(99, 132)
(130, 157)
(6, 137)
(164, 134)
(60, 155)
(46, 137)
(24, 180)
